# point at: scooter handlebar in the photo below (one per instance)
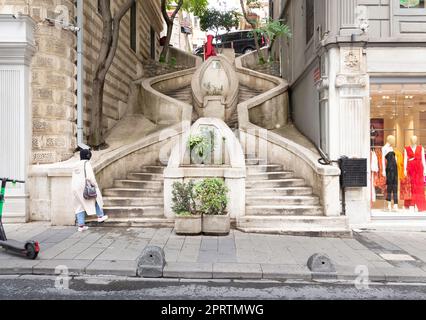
(13, 181)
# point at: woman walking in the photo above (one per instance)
(92, 206)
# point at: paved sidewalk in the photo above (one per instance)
(386, 256)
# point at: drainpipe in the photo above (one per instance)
(80, 72)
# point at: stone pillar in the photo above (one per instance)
(16, 48)
(349, 118)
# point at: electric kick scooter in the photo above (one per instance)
(29, 249)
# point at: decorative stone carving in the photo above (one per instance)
(351, 60)
(356, 80)
(215, 88)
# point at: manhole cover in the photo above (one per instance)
(397, 257)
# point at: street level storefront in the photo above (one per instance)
(398, 119)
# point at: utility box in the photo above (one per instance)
(354, 172)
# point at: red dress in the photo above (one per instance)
(209, 48)
(415, 171)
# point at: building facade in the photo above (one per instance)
(39, 80)
(357, 74)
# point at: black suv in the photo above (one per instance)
(242, 41)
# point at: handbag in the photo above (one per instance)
(89, 189)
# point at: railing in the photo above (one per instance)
(268, 111)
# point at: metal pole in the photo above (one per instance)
(80, 74)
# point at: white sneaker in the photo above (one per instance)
(83, 228)
(103, 219)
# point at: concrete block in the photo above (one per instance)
(188, 270)
(237, 271)
(321, 267)
(151, 263)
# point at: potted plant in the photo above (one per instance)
(187, 221)
(212, 199)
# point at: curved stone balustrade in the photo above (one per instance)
(160, 108)
(261, 114)
(232, 169)
(215, 88)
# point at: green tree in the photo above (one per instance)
(246, 6)
(214, 20)
(197, 7)
(273, 30)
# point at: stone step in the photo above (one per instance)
(256, 200)
(284, 210)
(270, 175)
(150, 222)
(289, 225)
(275, 183)
(145, 176)
(255, 161)
(134, 212)
(132, 192)
(287, 191)
(156, 185)
(133, 202)
(153, 169)
(264, 168)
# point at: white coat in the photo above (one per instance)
(78, 183)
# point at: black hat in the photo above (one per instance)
(85, 154)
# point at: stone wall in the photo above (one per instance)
(53, 70)
(52, 81)
(127, 65)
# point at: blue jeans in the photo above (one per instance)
(81, 216)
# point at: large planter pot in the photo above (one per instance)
(216, 225)
(188, 225)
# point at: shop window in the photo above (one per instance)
(398, 112)
(133, 25)
(310, 17)
(412, 4)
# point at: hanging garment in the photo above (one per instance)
(374, 171)
(391, 177)
(415, 170)
(404, 181)
(379, 179)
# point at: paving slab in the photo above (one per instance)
(237, 271)
(285, 271)
(49, 267)
(17, 266)
(112, 267)
(188, 270)
(406, 275)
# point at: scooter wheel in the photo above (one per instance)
(31, 251)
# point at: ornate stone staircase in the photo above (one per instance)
(278, 202)
(137, 200)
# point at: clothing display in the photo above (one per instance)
(391, 177)
(379, 179)
(374, 172)
(415, 171)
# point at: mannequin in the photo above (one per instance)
(414, 168)
(390, 171)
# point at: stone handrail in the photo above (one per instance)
(160, 108)
(295, 157)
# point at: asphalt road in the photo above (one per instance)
(49, 288)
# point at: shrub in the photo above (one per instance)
(212, 196)
(183, 200)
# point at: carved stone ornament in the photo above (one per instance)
(357, 81)
(351, 60)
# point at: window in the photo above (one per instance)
(412, 4)
(133, 27)
(310, 24)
